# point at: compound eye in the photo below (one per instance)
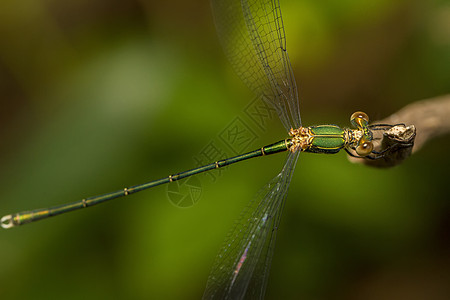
(360, 115)
(364, 149)
(359, 119)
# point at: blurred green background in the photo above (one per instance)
(98, 95)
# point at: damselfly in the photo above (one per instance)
(253, 37)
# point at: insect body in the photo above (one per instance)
(330, 139)
(326, 139)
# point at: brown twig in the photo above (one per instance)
(431, 118)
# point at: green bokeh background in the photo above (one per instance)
(99, 95)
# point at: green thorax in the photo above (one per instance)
(327, 139)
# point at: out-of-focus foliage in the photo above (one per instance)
(98, 95)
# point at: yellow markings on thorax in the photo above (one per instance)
(301, 139)
(352, 136)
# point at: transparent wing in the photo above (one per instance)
(252, 35)
(242, 266)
